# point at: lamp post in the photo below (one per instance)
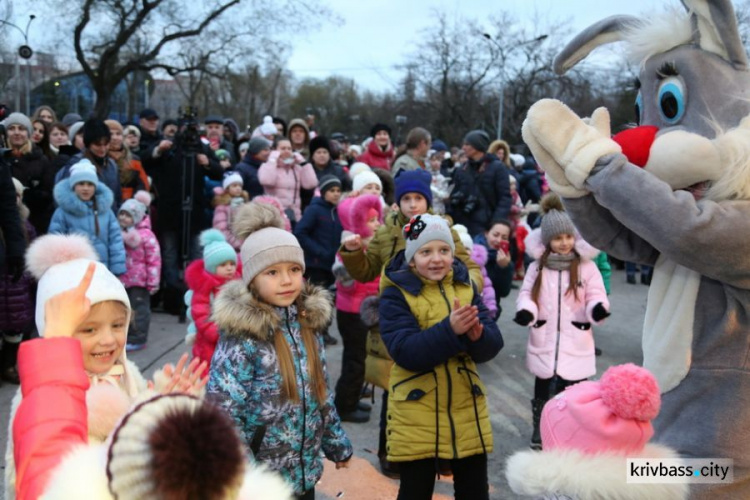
(24, 52)
(503, 76)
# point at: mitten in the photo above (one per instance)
(523, 317)
(599, 313)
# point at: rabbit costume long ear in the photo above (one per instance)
(715, 29)
(710, 25)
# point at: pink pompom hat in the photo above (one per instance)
(612, 415)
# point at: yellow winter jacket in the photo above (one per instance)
(437, 402)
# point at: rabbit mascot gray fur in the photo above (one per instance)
(673, 193)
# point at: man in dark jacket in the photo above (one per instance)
(258, 150)
(152, 144)
(215, 135)
(481, 190)
(179, 178)
(29, 165)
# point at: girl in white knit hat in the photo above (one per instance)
(59, 262)
(227, 200)
(268, 370)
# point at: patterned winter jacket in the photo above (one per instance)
(245, 380)
(142, 257)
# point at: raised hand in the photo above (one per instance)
(64, 312)
(566, 146)
(463, 318)
(353, 243)
(184, 379)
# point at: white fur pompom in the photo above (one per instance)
(106, 405)
(52, 249)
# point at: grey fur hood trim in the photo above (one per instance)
(368, 311)
(237, 312)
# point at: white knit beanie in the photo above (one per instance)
(364, 178)
(231, 178)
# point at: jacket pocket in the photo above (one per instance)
(415, 387)
(581, 325)
(538, 334)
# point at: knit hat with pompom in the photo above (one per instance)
(266, 243)
(216, 250)
(137, 206)
(554, 221)
(58, 262)
(613, 414)
(175, 446)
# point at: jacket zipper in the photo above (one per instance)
(474, 400)
(450, 382)
(559, 314)
(304, 403)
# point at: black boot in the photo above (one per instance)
(536, 415)
(9, 371)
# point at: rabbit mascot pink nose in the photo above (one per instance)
(673, 193)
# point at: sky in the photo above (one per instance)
(374, 37)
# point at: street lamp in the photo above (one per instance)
(24, 52)
(503, 75)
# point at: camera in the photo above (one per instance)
(467, 203)
(188, 138)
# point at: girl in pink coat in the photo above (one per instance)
(143, 263)
(360, 215)
(284, 174)
(561, 298)
(227, 200)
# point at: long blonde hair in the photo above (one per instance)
(286, 359)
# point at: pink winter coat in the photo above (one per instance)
(205, 287)
(479, 255)
(51, 419)
(285, 182)
(142, 257)
(224, 214)
(574, 359)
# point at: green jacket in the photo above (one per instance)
(387, 242)
(605, 268)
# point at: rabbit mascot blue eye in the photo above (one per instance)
(673, 193)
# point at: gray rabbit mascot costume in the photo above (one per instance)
(673, 193)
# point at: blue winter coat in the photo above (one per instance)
(245, 380)
(76, 216)
(319, 234)
(108, 175)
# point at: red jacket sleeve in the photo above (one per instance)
(51, 418)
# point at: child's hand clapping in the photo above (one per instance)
(463, 318)
(66, 310)
(184, 379)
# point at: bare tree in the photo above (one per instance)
(113, 38)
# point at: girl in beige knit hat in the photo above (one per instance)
(268, 371)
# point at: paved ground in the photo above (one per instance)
(509, 383)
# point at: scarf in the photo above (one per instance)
(237, 201)
(558, 262)
(114, 376)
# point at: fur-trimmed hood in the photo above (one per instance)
(586, 477)
(535, 247)
(479, 254)
(222, 197)
(237, 312)
(66, 198)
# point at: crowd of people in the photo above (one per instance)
(249, 237)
